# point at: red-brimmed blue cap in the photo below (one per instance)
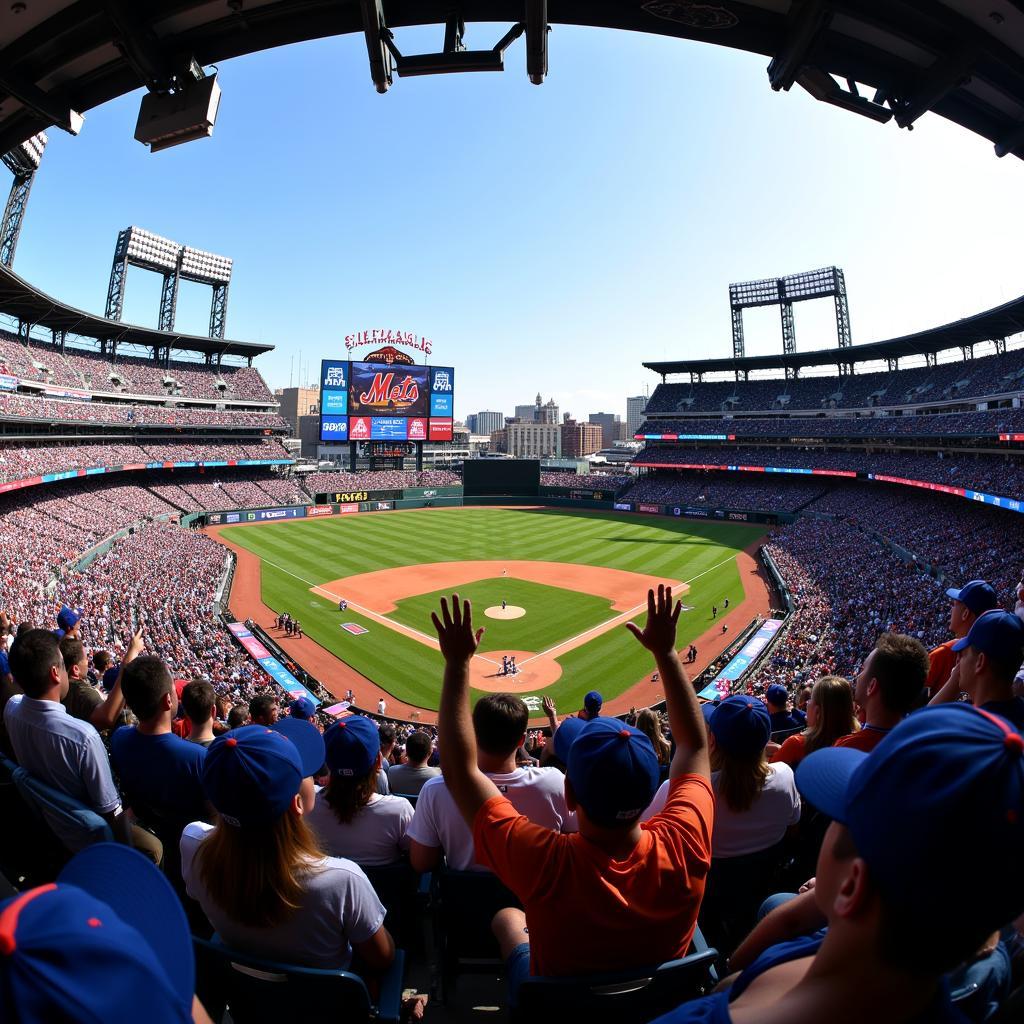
(352, 746)
(251, 775)
(613, 770)
(937, 812)
(110, 911)
(565, 736)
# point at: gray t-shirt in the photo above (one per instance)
(339, 910)
(407, 780)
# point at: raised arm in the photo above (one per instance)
(684, 717)
(469, 787)
(105, 715)
(950, 689)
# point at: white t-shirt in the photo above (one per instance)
(763, 825)
(340, 909)
(539, 793)
(376, 835)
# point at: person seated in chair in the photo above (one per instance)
(261, 877)
(351, 818)
(409, 778)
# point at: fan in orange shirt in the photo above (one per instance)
(642, 883)
(970, 601)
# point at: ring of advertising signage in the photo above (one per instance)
(385, 401)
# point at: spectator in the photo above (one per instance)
(160, 773)
(302, 708)
(799, 712)
(109, 907)
(650, 725)
(889, 940)
(990, 655)
(199, 700)
(499, 727)
(642, 881)
(777, 699)
(887, 688)
(238, 716)
(592, 705)
(408, 779)
(264, 710)
(84, 700)
(969, 601)
(353, 820)
(62, 751)
(829, 718)
(260, 875)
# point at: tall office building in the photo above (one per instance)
(534, 440)
(635, 413)
(580, 439)
(525, 413)
(487, 422)
(472, 422)
(609, 424)
(296, 402)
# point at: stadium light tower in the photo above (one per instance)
(23, 161)
(783, 292)
(174, 262)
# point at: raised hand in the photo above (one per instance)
(455, 630)
(549, 707)
(659, 634)
(134, 647)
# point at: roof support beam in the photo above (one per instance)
(139, 45)
(42, 104)
(946, 74)
(807, 19)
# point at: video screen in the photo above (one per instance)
(381, 390)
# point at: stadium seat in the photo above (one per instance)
(464, 904)
(255, 991)
(30, 853)
(634, 996)
(781, 734)
(57, 808)
(396, 887)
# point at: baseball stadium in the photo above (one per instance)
(343, 703)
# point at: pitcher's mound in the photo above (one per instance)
(512, 611)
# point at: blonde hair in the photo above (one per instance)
(834, 698)
(740, 779)
(255, 875)
(650, 725)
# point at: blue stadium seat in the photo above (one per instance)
(255, 991)
(30, 852)
(57, 808)
(634, 996)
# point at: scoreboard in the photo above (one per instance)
(385, 402)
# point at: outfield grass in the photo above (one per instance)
(300, 555)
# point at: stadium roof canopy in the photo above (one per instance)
(992, 325)
(962, 59)
(20, 299)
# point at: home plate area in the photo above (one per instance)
(510, 611)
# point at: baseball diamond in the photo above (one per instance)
(578, 577)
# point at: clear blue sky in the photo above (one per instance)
(547, 238)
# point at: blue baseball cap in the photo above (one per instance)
(776, 694)
(565, 736)
(67, 618)
(592, 702)
(251, 774)
(996, 633)
(949, 777)
(740, 724)
(978, 595)
(613, 771)
(110, 677)
(352, 746)
(109, 906)
(303, 708)
(308, 741)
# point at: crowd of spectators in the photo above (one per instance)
(952, 381)
(20, 461)
(380, 480)
(54, 410)
(723, 490)
(598, 481)
(82, 369)
(994, 474)
(952, 424)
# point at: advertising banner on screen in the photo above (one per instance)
(381, 390)
(348, 507)
(382, 506)
(359, 428)
(319, 510)
(442, 391)
(334, 403)
(649, 508)
(388, 428)
(440, 430)
(623, 506)
(7, 382)
(748, 654)
(270, 664)
(334, 375)
(417, 429)
(333, 428)
(263, 515)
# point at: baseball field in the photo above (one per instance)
(552, 587)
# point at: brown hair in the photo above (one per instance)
(649, 724)
(834, 697)
(740, 779)
(900, 665)
(199, 699)
(499, 721)
(255, 875)
(347, 795)
(72, 650)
